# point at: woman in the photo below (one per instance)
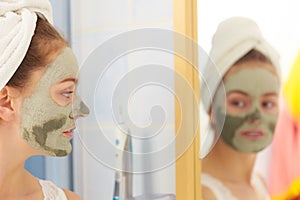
(243, 110)
(38, 80)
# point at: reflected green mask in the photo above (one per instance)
(43, 121)
(254, 82)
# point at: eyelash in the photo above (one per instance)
(238, 103)
(268, 104)
(67, 94)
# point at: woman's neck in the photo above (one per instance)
(227, 164)
(13, 177)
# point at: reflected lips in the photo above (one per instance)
(253, 134)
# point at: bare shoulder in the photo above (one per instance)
(207, 194)
(71, 195)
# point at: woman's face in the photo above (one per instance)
(250, 108)
(48, 115)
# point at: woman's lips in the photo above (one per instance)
(69, 132)
(254, 134)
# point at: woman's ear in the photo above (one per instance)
(211, 117)
(212, 120)
(6, 108)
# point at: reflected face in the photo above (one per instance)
(249, 110)
(48, 119)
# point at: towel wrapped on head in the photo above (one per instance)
(234, 38)
(17, 24)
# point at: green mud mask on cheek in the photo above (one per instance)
(43, 121)
(254, 82)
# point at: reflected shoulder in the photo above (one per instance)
(207, 194)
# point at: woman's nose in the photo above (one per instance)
(83, 109)
(79, 109)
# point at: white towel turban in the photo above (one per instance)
(17, 24)
(234, 38)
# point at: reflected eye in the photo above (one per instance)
(268, 104)
(238, 103)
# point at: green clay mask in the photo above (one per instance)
(251, 129)
(43, 120)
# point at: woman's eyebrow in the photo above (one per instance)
(238, 92)
(70, 79)
(270, 94)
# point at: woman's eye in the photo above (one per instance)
(68, 94)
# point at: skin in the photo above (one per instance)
(227, 155)
(247, 100)
(47, 113)
(15, 181)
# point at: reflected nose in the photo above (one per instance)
(79, 109)
(255, 117)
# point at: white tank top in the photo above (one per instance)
(51, 191)
(223, 193)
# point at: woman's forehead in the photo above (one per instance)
(254, 81)
(250, 64)
(242, 93)
(65, 66)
